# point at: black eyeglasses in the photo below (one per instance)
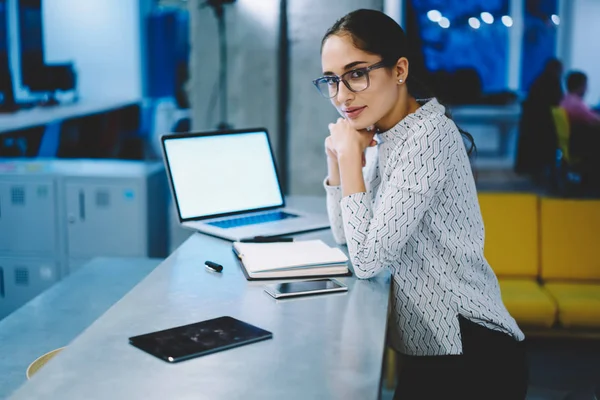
(356, 80)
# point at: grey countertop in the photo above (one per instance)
(323, 347)
(62, 312)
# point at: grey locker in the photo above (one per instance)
(105, 218)
(23, 279)
(71, 211)
(28, 216)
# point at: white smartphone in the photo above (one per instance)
(304, 288)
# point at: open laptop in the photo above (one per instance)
(225, 184)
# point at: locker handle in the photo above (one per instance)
(2, 282)
(81, 205)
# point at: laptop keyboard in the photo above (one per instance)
(254, 219)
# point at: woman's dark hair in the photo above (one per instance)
(376, 33)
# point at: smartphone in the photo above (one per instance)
(304, 288)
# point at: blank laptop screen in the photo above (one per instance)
(222, 173)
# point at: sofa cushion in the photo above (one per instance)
(528, 303)
(570, 239)
(578, 304)
(511, 233)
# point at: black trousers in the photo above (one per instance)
(493, 366)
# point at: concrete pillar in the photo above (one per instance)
(310, 113)
(253, 45)
(252, 36)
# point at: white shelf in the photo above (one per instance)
(40, 116)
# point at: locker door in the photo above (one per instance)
(28, 217)
(105, 220)
(24, 279)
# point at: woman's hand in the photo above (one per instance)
(347, 147)
(345, 141)
(330, 150)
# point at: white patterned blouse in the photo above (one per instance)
(420, 219)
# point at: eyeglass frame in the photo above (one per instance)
(338, 78)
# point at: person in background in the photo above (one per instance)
(537, 142)
(401, 195)
(577, 110)
(585, 131)
(547, 88)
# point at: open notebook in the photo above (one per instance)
(310, 258)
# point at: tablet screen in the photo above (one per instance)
(201, 338)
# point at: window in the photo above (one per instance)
(460, 35)
(473, 39)
(541, 21)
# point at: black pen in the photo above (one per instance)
(213, 266)
(267, 239)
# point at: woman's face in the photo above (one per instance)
(365, 108)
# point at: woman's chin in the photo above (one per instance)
(360, 125)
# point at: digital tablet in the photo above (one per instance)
(304, 288)
(199, 339)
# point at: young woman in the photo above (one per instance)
(413, 210)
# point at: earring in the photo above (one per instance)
(399, 80)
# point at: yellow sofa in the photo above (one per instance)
(543, 252)
(512, 241)
(570, 242)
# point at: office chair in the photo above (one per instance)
(41, 361)
(568, 173)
